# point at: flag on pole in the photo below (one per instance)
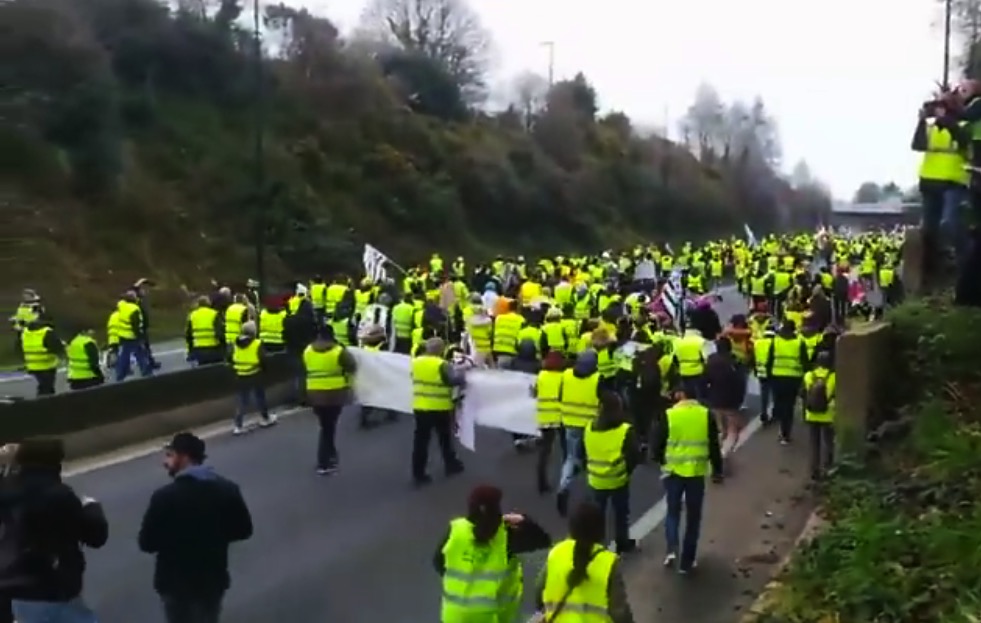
(374, 264)
(750, 236)
(672, 298)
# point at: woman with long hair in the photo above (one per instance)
(581, 576)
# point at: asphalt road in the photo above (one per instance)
(354, 547)
(170, 354)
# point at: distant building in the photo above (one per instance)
(864, 216)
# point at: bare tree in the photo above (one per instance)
(447, 31)
(530, 91)
(704, 125)
(801, 176)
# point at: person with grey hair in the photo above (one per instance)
(248, 359)
(433, 381)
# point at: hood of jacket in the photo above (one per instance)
(321, 346)
(244, 340)
(198, 472)
(586, 364)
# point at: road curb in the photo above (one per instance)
(766, 600)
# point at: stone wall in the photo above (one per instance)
(864, 397)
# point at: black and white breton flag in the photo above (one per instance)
(374, 264)
(672, 298)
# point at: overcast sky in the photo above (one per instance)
(844, 78)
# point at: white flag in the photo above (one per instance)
(750, 236)
(374, 264)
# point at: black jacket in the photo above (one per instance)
(55, 525)
(189, 526)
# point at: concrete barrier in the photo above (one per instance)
(114, 416)
(863, 363)
(912, 275)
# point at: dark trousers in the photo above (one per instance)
(688, 493)
(545, 444)
(85, 383)
(428, 422)
(785, 391)
(839, 309)
(822, 447)
(129, 350)
(326, 442)
(403, 345)
(209, 355)
(764, 398)
(192, 609)
(619, 501)
(250, 393)
(693, 386)
(45, 381)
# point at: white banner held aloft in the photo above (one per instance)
(374, 264)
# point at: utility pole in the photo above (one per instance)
(948, 9)
(261, 196)
(551, 61)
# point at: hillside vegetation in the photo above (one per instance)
(904, 538)
(129, 148)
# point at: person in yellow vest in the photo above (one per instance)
(687, 444)
(507, 326)
(478, 560)
(785, 369)
(582, 580)
(689, 362)
(943, 182)
(546, 391)
(330, 369)
(579, 403)
(204, 334)
(272, 319)
(318, 298)
(480, 332)
(84, 369)
(41, 350)
(248, 358)
(27, 311)
(433, 380)
(760, 355)
(233, 317)
(612, 454)
(131, 330)
(819, 413)
(112, 340)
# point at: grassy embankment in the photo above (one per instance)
(903, 539)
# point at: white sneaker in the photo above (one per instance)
(670, 559)
(238, 430)
(273, 418)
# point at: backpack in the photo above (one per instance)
(816, 400)
(648, 371)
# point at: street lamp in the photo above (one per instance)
(948, 9)
(551, 61)
(259, 216)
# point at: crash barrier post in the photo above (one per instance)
(116, 415)
(864, 396)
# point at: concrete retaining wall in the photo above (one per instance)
(864, 362)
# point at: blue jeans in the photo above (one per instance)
(246, 396)
(74, 611)
(691, 491)
(129, 349)
(574, 456)
(950, 220)
(619, 499)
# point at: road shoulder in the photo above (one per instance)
(750, 526)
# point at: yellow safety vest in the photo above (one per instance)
(271, 326)
(687, 452)
(606, 364)
(79, 368)
(586, 603)
(570, 326)
(112, 329)
(531, 333)
(811, 344)
(943, 160)
(342, 327)
(506, 329)
(25, 315)
(548, 393)
(761, 353)
(830, 383)
(126, 309)
(886, 277)
(429, 392)
(480, 583)
(324, 371)
(233, 321)
(362, 298)
(335, 294)
(202, 322)
(786, 357)
(580, 402)
(606, 467)
(688, 352)
(481, 334)
(245, 359)
(402, 315)
(37, 358)
(318, 295)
